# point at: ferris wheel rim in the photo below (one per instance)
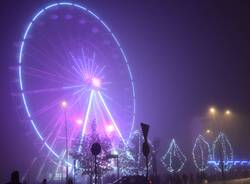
(20, 61)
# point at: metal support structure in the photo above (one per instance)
(95, 170)
(217, 128)
(66, 145)
(118, 169)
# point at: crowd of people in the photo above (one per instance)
(199, 178)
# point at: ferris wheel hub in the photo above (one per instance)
(96, 82)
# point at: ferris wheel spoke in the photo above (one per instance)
(54, 133)
(45, 90)
(92, 64)
(77, 100)
(58, 65)
(45, 74)
(43, 53)
(53, 122)
(47, 107)
(78, 72)
(77, 67)
(101, 70)
(53, 142)
(85, 64)
(48, 136)
(50, 105)
(67, 69)
(29, 70)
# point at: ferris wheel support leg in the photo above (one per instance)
(110, 116)
(86, 119)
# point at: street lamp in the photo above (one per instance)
(64, 105)
(208, 131)
(212, 111)
(217, 124)
(228, 113)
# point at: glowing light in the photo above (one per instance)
(64, 104)
(233, 162)
(22, 48)
(96, 82)
(212, 110)
(115, 152)
(208, 131)
(227, 112)
(79, 121)
(201, 153)
(110, 128)
(136, 164)
(224, 150)
(172, 155)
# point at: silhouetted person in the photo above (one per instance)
(185, 178)
(191, 179)
(44, 181)
(70, 181)
(178, 179)
(14, 178)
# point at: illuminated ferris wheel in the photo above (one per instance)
(68, 54)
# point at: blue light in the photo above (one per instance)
(20, 77)
(105, 26)
(27, 30)
(65, 3)
(38, 14)
(25, 104)
(94, 15)
(232, 162)
(50, 6)
(116, 40)
(227, 150)
(21, 53)
(79, 6)
(34, 126)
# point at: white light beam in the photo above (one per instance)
(86, 119)
(112, 119)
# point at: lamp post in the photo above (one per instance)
(213, 112)
(64, 106)
(215, 115)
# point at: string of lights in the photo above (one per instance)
(222, 151)
(173, 160)
(201, 153)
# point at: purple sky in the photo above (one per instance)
(184, 58)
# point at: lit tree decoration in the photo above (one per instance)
(126, 160)
(85, 156)
(201, 153)
(222, 151)
(135, 151)
(173, 160)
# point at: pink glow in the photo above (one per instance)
(110, 128)
(79, 121)
(64, 104)
(96, 82)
